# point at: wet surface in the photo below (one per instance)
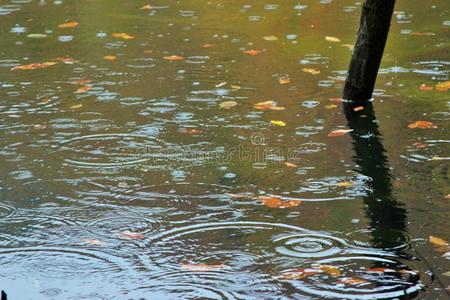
(137, 161)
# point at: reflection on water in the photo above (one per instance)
(122, 167)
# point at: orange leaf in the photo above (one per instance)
(268, 105)
(290, 165)
(274, 202)
(202, 267)
(443, 86)
(339, 100)
(419, 145)
(300, 273)
(380, 270)
(130, 235)
(173, 57)
(330, 270)
(83, 89)
(422, 125)
(311, 71)
(425, 88)
(339, 132)
(352, 281)
(123, 36)
(437, 241)
(252, 52)
(146, 7)
(68, 25)
(358, 108)
(110, 57)
(35, 66)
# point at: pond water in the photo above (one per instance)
(136, 165)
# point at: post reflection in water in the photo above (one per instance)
(385, 213)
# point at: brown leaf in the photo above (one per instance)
(437, 241)
(290, 165)
(358, 108)
(274, 202)
(425, 88)
(68, 25)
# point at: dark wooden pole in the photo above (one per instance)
(371, 40)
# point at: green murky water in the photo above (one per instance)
(124, 178)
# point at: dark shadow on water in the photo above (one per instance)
(385, 213)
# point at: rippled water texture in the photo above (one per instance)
(181, 150)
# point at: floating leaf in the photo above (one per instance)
(94, 242)
(35, 66)
(130, 235)
(338, 100)
(358, 108)
(123, 36)
(76, 106)
(300, 273)
(278, 123)
(284, 80)
(270, 38)
(437, 241)
(290, 165)
(235, 87)
(330, 270)
(221, 84)
(345, 184)
(439, 158)
(339, 132)
(268, 105)
(146, 7)
(443, 86)
(173, 57)
(202, 267)
(110, 57)
(349, 46)
(331, 106)
(380, 270)
(420, 145)
(36, 35)
(228, 104)
(422, 125)
(274, 202)
(425, 88)
(208, 45)
(422, 33)
(352, 281)
(67, 60)
(311, 71)
(190, 131)
(83, 89)
(252, 52)
(332, 39)
(68, 25)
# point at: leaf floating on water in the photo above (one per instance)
(221, 84)
(311, 71)
(130, 235)
(252, 52)
(423, 33)
(349, 46)
(420, 145)
(447, 197)
(235, 87)
(290, 165)
(68, 25)
(331, 106)
(358, 108)
(94, 242)
(345, 184)
(443, 86)
(434, 158)
(203, 267)
(208, 45)
(339, 132)
(36, 35)
(35, 66)
(76, 106)
(146, 7)
(300, 273)
(228, 104)
(352, 281)
(123, 36)
(274, 202)
(268, 105)
(110, 57)
(284, 80)
(338, 100)
(437, 241)
(278, 123)
(270, 38)
(422, 125)
(173, 57)
(67, 60)
(332, 39)
(330, 270)
(425, 88)
(83, 89)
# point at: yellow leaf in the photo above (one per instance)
(437, 241)
(332, 39)
(110, 57)
(331, 106)
(330, 270)
(278, 123)
(76, 106)
(123, 36)
(345, 184)
(284, 80)
(146, 7)
(270, 38)
(228, 104)
(221, 84)
(268, 105)
(311, 71)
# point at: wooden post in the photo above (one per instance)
(372, 35)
